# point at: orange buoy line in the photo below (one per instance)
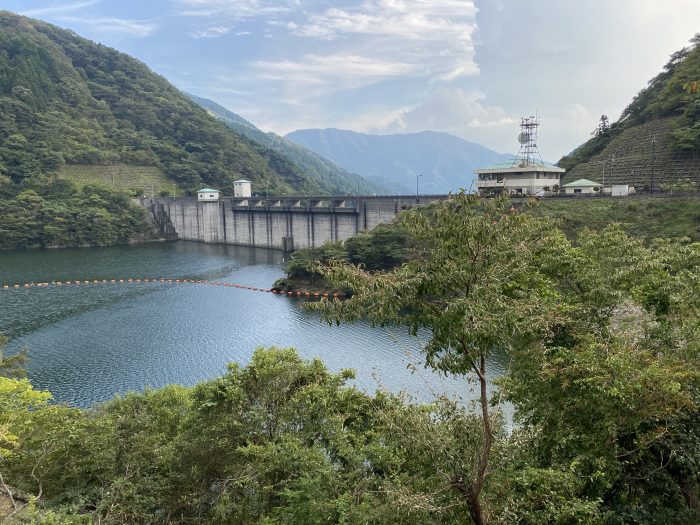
(85, 282)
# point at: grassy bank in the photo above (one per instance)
(647, 217)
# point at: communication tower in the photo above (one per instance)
(528, 153)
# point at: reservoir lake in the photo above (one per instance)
(87, 343)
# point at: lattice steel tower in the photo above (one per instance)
(528, 153)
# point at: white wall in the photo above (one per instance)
(528, 182)
(213, 196)
(242, 189)
(586, 191)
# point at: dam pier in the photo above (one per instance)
(284, 223)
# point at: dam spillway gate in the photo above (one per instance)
(285, 223)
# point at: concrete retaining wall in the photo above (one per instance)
(285, 223)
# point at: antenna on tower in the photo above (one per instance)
(527, 138)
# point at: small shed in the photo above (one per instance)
(208, 194)
(621, 190)
(582, 186)
(242, 188)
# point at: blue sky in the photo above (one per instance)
(468, 67)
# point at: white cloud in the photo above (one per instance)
(60, 8)
(114, 26)
(436, 34)
(451, 109)
(316, 75)
(233, 9)
(333, 66)
(211, 32)
(433, 37)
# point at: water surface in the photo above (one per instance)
(88, 343)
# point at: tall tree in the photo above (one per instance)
(474, 285)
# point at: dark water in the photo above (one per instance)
(88, 343)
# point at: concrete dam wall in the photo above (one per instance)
(285, 223)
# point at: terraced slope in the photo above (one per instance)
(658, 133)
(636, 153)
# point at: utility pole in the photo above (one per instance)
(417, 175)
(612, 166)
(653, 160)
(604, 165)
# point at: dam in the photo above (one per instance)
(280, 222)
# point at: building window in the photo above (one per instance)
(577, 190)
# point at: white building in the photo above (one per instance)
(519, 177)
(208, 194)
(622, 190)
(583, 186)
(242, 188)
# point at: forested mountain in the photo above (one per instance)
(217, 110)
(82, 126)
(65, 101)
(446, 162)
(307, 161)
(659, 132)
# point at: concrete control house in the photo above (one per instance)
(208, 194)
(527, 174)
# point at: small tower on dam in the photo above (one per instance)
(242, 188)
(208, 195)
(206, 215)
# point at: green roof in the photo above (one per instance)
(581, 183)
(207, 190)
(516, 163)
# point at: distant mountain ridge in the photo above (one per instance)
(443, 161)
(311, 163)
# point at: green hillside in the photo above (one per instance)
(344, 181)
(66, 101)
(659, 133)
(84, 126)
(646, 217)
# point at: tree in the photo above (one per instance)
(472, 283)
(603, 126)
(611, 395)
(12, 367)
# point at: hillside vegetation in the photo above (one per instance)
(659, 133)
(54, 213)
(343, 181)
(69, 101)
(387, 246)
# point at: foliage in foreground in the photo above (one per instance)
(604, 341)
(604, 338)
